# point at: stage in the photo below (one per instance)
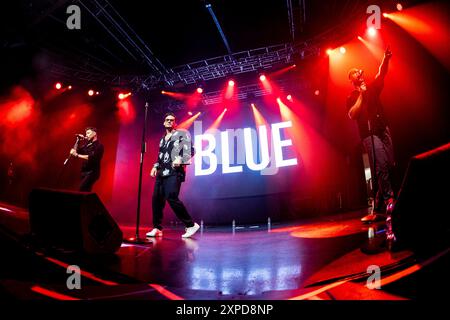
(315, 259)
(278, 127)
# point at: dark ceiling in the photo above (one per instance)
(175, 32)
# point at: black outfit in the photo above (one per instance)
(90, 169)
(371, 120)
(169, 178)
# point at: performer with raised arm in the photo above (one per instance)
(364, 106)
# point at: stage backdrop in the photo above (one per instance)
(251, 163)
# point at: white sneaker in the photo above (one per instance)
(191, 231)
(154, 233)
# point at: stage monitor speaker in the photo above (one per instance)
(421, 216)
(74, 221)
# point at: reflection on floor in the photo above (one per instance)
(315, 259)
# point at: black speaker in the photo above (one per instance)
(421, 216)
(76, 221)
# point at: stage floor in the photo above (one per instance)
(311, 259)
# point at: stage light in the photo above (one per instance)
(58, 86)
(122, 96)
(294, 65)
(199, 90)
(69, 87)
(91, 92)
(289, 97)
(360, 38)
(231, 83)
(190, 113)
(163, 92)
(329, 51)
(262, 77)
(97, 93)
(317, 92)
(399, 6)
(342, 50)
(372, 31)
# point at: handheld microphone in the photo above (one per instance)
(80, 136)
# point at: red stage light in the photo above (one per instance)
(262, 77)
(190, 113)
(69, 87)
(342, 50)
(122, 96)
(360, 38)
(97, 93)
(163, 92)
(399, 6)
(289, 97)
(317, 92)
(58, 85)
(199, 90)
(372, 31)
(91, 92)
(231, 83)
(329, 51)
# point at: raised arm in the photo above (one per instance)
(383, 69)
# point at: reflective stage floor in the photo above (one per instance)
(318, 259)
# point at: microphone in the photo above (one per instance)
(80, 136)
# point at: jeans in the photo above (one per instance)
(87, 182)
(384, 163)
(168, 189)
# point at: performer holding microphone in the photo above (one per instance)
(91, 153)
(364, 106)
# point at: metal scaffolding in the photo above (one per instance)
(254, 60)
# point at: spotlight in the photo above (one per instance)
(190, 113)
(372, 31)
(91, 92)
(97, 93)
(262, 77)
(58, 86)
(163, 92)
(342, 50)
(399, 6)
(69, 87)
(317, 92)
(199, 90)
(329, 51)
(360, 38)
(122, 96)
(289, 97)
(231, 83)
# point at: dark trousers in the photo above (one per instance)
(168, 189)
(87, 181)
(384, 163)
